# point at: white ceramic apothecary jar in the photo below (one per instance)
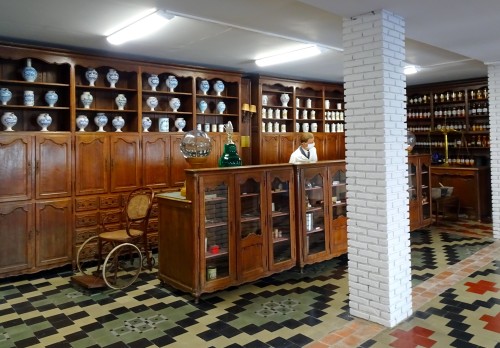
(164, 124)
(100, 121)
(146, 123)
(180, 123)
(153, 81)
(204, 86)
(5, 95)
(44, 120)
(175, 104)
(112, 76)
(202, 105)
(314, 127)
(51, 98)
(29, 98)
(9, 120)
(82, 121)
(121, 101)
(221, 107)
(118, 122)
(219, 87)
(284, 98)
(265, 100)
(91, 75)
(86, 98)
(29, 73)
(152, 102)
(172, 83)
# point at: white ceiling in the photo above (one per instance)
(450, 39)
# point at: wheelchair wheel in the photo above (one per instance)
(122, 266)
(86, 258)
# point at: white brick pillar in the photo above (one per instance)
(377, 170)
(494, 109)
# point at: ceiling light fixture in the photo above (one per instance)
(411, 69)
(145, 25)
(306, 52)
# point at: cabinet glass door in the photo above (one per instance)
(281, 226)
(339, 191)
(426, 191)
(412, 181)
(216, 226)
(314, 220)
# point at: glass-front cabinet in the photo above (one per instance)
(281, 227)
(338, 214)
(215, 227)
(419, 190)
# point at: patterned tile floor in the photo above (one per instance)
(456, 292)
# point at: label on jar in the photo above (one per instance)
(211, 272)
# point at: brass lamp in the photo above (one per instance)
(248, 110)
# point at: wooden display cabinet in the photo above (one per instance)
(419, 188)
(322, 222)
(222, 234)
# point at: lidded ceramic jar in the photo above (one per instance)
(44, 120)
(112, 76)
(164, 124)
(5, 95)
(51, 98)
(82, 121)
(9, 120)
(29, 73)
(91, 76)
(121, 101)
(118, 122)
(101, 120)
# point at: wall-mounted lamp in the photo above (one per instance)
(248, 111)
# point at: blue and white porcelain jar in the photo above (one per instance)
(5, 95)
(285, 98)
(118, 122)
(29, 98)
(172, 83)
(175, 104)
(164, 124)
(44, 120)
(91, 76)
(180, 123)
(86, 98)
(204, 86)
(51, 98)
(121, 101)
(9, 120)
(153, 81)
(146, 123)
(112, 76)
(152, 102)
(100, 121)
(82, 121)
(202, 105)
(221, 107)
(29, 73)
(218, 87)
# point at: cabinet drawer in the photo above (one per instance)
(86, 203)
(87, 219)
(84, 234)
(112, 217)
(107, 202)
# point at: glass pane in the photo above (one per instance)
(250, 208)
(280, 207)
(339, 207)
(412, 181)
(315, 219)
(216, 232)
(426, 207)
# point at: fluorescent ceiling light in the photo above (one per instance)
(152, 21)
(290, 56)
(411, 69)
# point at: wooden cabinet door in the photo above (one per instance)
(16, 181)
(155, 160)
(54, 232)
(125, 163)
(270, 149)
(53, 165)
(288, 145)
(92, 164)
(177, 161)
(17, 236)
(251, 231)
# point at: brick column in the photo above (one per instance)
(377, 169)
(494, 110)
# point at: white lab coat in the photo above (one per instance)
(301, 156)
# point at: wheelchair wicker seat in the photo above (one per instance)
(124, 245)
